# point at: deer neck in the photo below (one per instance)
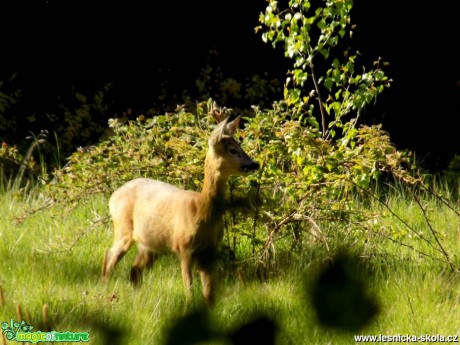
(213, 192)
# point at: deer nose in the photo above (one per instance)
(250, 167)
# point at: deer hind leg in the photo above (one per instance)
(123, 241)
(144, 259)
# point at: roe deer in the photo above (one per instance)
(160, 217)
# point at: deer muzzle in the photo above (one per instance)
(250, 167)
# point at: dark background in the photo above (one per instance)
(57, 47)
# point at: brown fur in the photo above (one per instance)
(160, 217)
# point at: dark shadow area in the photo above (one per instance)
(109, 335)
(340, 295)
(192, 328)
(196, 328)
(261, 329)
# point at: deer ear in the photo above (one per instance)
(233, 126)
(219, 132)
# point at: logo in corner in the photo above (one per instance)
(22, 332)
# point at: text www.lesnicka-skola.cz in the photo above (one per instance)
(407, 338)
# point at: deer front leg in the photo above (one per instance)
(205, 263)
(207, 286)
(186, 266)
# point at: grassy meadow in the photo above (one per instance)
(54, 256)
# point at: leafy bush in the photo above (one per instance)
(307, 184)
(170, 147)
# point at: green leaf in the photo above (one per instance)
(321, 24)
(294, 96)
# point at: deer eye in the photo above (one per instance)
(233, 151)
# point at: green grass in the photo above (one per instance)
(416, 295)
